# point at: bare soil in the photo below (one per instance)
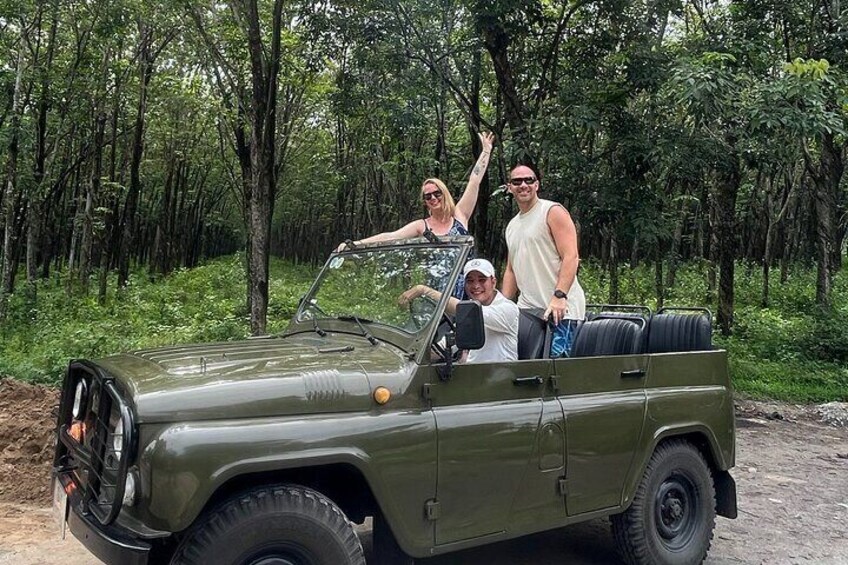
(791, 473)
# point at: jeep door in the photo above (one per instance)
(604, 403)
(500, 449)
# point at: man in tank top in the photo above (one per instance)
(543, 258)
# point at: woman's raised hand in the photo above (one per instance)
(487, 140)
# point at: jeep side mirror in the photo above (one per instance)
(469, 325)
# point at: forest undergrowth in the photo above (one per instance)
(791, 350)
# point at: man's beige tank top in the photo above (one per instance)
(536, 262)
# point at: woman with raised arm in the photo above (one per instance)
(444, 217)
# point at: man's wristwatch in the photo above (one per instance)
(560, 294)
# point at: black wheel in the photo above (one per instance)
(386, 549)
(672, 517)
(276, 525)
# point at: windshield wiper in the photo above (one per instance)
(359, 321)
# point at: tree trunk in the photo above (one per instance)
(710, 242)
(787, 198)
(727, 188)
(479, 222)
(615, 287)
(263, 111)
(676, 240)
(11, 198)
(36, 200)
(34, 221)
(826, 184)
(634, 252)
(496, 41)
(658, 279)
(92, 193)
(128, 235)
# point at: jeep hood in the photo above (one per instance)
(298, 374)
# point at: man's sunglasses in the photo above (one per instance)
(521, 180)
(435, 194)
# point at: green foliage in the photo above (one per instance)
(631, 110)
(198, 305)
(791, 351)
(827, 339)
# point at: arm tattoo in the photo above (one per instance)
(484, 156)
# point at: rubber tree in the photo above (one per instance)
(804, 106)
(710, 91)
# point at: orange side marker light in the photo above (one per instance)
(77, 431)
(382, 395)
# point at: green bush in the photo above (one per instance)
(827, 338)
(790, 351)
(204, 304)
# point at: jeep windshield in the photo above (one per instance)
(363, 286)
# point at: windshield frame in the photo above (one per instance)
(409, 342)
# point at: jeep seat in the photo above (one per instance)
(670, 333)
(607, 336)
(533, 335)
(639, 318)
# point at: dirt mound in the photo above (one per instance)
(833, 414)
(26, 441)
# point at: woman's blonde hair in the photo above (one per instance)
(448, 205)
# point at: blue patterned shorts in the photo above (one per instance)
(563, 338)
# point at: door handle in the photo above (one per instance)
(523, 381)
(634, 374)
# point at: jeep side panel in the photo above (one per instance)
(604, 403)
(500, 448)
(687, 394)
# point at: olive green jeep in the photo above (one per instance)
(269, 450)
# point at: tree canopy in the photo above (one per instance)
(138, 135)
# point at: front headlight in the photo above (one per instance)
(118, 438)
(79, 399)
(130, 488)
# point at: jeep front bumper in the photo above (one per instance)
(108, 543)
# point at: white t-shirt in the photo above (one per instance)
(500, 321)
(536, 261)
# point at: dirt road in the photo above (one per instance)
(792, 477)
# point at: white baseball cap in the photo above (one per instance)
(481, 266)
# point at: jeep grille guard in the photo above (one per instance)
(85, 452)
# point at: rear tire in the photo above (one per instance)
(272, 525)
(672, 517)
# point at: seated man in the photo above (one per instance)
(500, 315)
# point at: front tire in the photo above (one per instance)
(672, 517)
(273, 525)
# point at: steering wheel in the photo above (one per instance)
(421, 309)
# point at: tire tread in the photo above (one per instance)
(627, 527)
(281, 498)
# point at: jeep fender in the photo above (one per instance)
(701, 437)
(394, 452)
